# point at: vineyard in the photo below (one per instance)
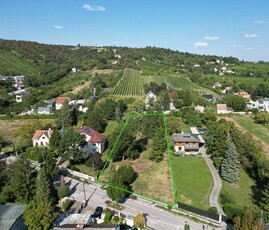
(132, 84)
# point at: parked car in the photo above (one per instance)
(97, 213)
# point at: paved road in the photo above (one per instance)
(214, 196)
(156, 218)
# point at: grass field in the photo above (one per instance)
(239, 193)
(111, 126)
(150, 68)
(20, 132)
(257, 130)
(10, 62)
(132, 84)
(192, 180)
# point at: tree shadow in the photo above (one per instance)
(73, 189)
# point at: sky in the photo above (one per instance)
(238, 28)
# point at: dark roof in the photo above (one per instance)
(208, 96)
(192, 146)
(89, 226)
(9, 214)
(187, 137)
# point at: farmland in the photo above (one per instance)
(132, 82)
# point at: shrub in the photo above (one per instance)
(169, 207)
(74, 168)
(232, 210)
(226, 198)
(62, 191)
(88, 163)
(116, 219)
(217, 162)
(108, 217)
(67, 204)
(133, 197)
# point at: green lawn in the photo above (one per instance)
(86, 170)
(239, 193)
(111, 126)
(192, 180)
(257, 130)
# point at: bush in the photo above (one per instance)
(169, 207)
(217, 162)
(232, 210)
(133, 197)
(74, 168)
(62, 192)
(226, 198)
(67, 204)
(213, 210)
(108, 217)
(88, 163)
(116, 219)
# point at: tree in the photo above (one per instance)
(118, 114)
(116, 193)
(127, 174)
(159, 147)
(165, 100)
(96, 161)
(63, 189)
(95, 120)
(71, 145)
(264, 202)
(261, 118)
(188, 98)
(39, 216)
(22, 176)
(108, 108)
(230, 165)
(44, 188)
(54, 140)
(249, 221)
(139, 220)
(64, 116)
(2, 142)
(234, 101)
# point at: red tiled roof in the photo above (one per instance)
(38, 133)
(95, 136)
(19, 82)
(221, 107)
(61, 100)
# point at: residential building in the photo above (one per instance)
(208, 97)
(44, 110)
(223, 109)
(150, 98)
(60, 101)
(19, 97)
(74, 70)
(19, 85)
(261, 104)
(11, 217)
(216, 85)
(41, 138)
(227, 90)
(199, 108)
(187, 143)
(95, 141)
(243, 94)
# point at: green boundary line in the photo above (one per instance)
(169, 157)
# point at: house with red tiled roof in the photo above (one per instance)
(95, 141)
(243, 94)
(223, 108)
(60, 101)
(41, 138)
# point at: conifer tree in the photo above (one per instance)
(64, 116)
(54, 140)
(230, 165)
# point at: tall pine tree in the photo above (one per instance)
(64, 116)
(230, 165)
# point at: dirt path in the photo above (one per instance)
(80, 87)
(265, 146)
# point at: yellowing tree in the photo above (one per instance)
(139, 221)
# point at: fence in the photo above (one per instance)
(78, 174)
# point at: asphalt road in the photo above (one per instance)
(156, 218)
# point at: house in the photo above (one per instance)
(19, 85)
(243, 94)
(19, 97)
(208, 97)
(44, 110)
(41, 138)
(216, 85)
(95, 141)
(223, 109)
(261, 104)
(187, 143)
(11, 217)
(227, 90)
(74, 70)
(60, 101)
(171, 106)
(150, 98)
(199, 108)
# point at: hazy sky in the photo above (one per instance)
(230, 27)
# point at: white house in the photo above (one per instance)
(41, 138)
(150, 97)
(74, 70)
(223, 109)
(95, 141)
(216, 85)
(261, 104)
(60, 101)
(44, 110)
(19, 97)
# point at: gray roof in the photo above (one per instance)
(263, 99)
(187, 137)
(48, 109)
(9, 214)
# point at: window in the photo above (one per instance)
(41, 143)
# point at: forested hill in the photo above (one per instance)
(44, 64)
